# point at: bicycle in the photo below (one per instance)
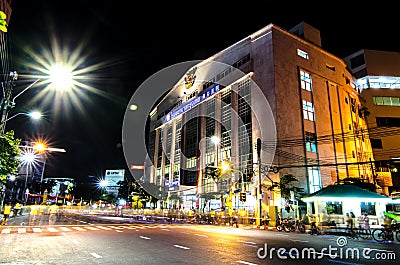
(386, 233)
(315, 230)
(351, 232)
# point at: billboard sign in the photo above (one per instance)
(113, 177)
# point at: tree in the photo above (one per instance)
(284, 187)
(358, 182)
(175, 199)
(9, 152)
(364, 112)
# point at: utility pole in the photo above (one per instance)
(259, 188)
(6, 101)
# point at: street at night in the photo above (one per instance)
(198, 133)
(85, 239)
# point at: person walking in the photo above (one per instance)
(53, 211)
(6, 214)
(33, 213)
(366, 222)
(349, 221)
(17, 209)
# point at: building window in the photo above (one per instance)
(353, 105)
(376, 143)
(311, 142)
(308, 110)
(357, 61)
(334, 207)
(314, 179)
(330, 67)
(368, 208)
(305, 79)
(387, 101)
(387, 122)
(302, 54)
(191, 162)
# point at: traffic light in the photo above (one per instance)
(243, 196)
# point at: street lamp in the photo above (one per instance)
(216, 140)
(32, 155)
(35, 115)
(28, 159)
(8, 102)
(59, 78)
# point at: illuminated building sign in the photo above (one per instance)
(192, 103)
(171, 183)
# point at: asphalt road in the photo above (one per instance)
(115, 241)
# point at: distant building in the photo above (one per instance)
(320, 134)
(378, 81)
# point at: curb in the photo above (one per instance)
(265, 227)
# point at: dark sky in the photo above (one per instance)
(133, 40)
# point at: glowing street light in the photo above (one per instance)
(28, 158)
(35, 115)
(103, 183)
(58, 77)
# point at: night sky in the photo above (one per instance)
(129, 41)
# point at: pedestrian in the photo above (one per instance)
(53, 211)
(33, 213)
(366, 222)
(349, 221)
(17, 209)
(6, 213)
(353, 219)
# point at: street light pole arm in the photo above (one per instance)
(23, 91)
(12, 117)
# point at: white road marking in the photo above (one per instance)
(200, 235)
(247, 242)
(52, 229)
(36, 229)
(91, 228)
(165, 229)
(78, 228)
(182, 247)
(97, 256)
(245, 262)
(296, 240)
(103, 227)
(144, 237)
(118, 230)
(6, 231)
(65, 228)
(21, 230)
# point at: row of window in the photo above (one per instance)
(386, 101)
(334, 207)
(378, 82)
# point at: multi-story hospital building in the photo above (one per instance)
(275, 85)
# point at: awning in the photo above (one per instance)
(340, 192)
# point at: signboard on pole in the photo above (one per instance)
(113, 176)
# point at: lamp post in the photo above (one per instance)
(216, 140)
(35, 115)
(32, 154)
(58, 77)
(6, 102)
(27, 160)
